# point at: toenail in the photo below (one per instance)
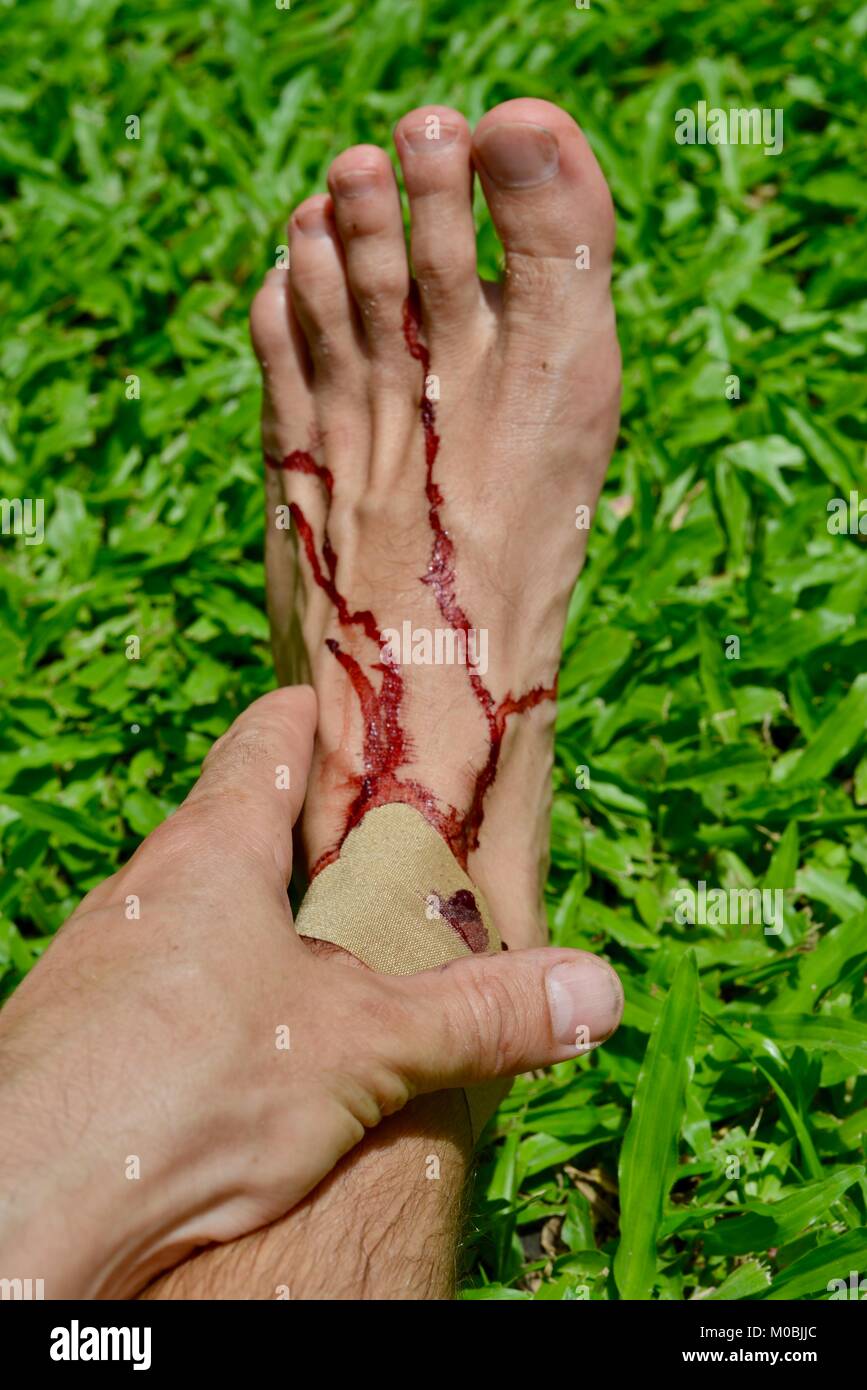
(312, 221)
(430, 137)
(357, 183)
(518, 155)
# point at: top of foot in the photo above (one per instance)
(439, 443)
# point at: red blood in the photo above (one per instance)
(463, 916)
(442, 580)
(386, 746)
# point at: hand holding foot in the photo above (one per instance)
(466, 446)
(179, 1069)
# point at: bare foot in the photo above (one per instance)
(429, 442)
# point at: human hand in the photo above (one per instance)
(179, 1069)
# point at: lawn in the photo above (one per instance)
(714, 701)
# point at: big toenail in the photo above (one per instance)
(430, 137)
(518, 155)
(356, 183)
(312, 221)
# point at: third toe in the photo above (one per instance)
(367, 212)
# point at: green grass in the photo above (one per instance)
(715, 1143)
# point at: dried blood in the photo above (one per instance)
(463, 916)
(386, 746)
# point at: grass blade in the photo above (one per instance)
(649, 1149)
(814, 1273)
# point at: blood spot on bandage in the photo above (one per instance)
(463, 916)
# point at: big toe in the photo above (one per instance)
(551, 208)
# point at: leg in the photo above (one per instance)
(439, 446)
(384, 1225)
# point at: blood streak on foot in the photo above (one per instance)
(386, 746)
(441, 578)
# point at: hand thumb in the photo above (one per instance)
(496, 1016)
(254, 778)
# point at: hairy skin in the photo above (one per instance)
(377, 1227)
(167, 1047)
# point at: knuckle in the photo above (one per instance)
(388, 1090)
(376, 302)
(325, 343)
(237, 749)
(173, 840)
(491, 1020)
(439, 275)
(367, 1048)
